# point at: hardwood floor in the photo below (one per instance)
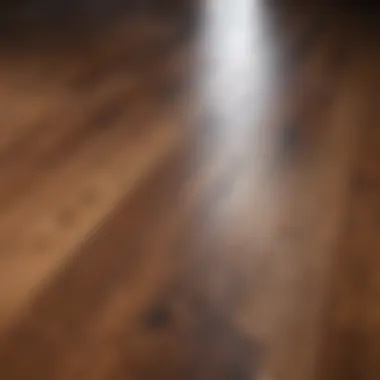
(192, 200)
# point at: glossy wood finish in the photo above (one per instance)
(192, 200)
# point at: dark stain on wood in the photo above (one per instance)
(158, 317)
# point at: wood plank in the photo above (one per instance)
(208, 210)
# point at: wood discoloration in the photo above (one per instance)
(149, 228)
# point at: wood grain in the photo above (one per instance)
(191, 195)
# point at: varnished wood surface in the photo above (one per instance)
(192, 196)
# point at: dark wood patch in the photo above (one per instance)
(110, 112)
(291, 138)
(157, 317)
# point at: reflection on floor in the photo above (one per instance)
(190, 195)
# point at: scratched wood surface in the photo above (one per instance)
(190, 195)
